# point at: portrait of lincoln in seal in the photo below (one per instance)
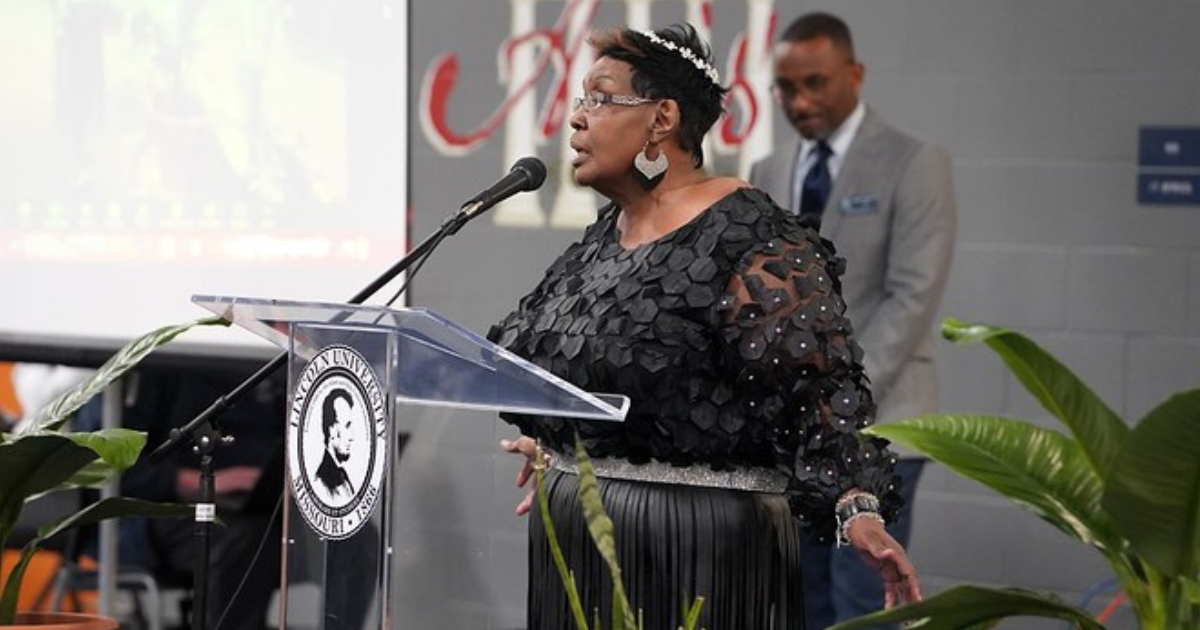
(337, 416)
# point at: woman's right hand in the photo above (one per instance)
(527, 447)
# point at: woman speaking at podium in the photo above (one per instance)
(719, 316)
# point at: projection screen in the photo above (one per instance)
(155, 150)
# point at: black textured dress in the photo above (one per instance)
(729, 337)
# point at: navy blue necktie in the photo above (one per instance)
(817, 183)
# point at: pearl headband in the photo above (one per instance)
(686, 53)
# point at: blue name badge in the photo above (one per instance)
(859, 205)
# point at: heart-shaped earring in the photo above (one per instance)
(651, 171)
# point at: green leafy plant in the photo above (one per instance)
(1132, 494)
(600, 528)
(44, 458)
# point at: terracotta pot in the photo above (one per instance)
(61, 621)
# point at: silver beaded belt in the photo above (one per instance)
(746, 479)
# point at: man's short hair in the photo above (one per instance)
(329, 413)
(810, 26)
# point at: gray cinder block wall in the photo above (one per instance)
(1040, 104)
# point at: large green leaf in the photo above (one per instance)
(105, 509)
(1097, 428)
(39, 463)
(117, 448)
(1040, 469)
(1154, 491)
(114, 507)
(974, 607)
(56, 413)
(34, 464)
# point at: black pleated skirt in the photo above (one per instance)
(738, 550)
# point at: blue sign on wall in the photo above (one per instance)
(1169, 147)
(1169, 166)
(1178, 190)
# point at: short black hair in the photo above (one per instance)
(810, 26)
(662, 73)
(329, 413)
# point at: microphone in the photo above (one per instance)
(528, 173)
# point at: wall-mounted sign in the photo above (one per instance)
(1169, 166)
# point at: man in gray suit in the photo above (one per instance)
(886, 200)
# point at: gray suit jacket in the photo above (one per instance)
(891, 215)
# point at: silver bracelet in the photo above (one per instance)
(843, 533)
(851, 496)
(849, 508)
(854, 503)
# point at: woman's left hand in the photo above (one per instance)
(877, 547)
(527, 448)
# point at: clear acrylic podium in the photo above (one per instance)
(398, 508)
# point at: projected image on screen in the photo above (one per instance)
(154, 149)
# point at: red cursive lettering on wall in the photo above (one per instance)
(742, 101)
(557, 51)
(554, 52)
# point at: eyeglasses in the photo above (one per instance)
(593, 100)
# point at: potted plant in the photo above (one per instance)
(43, 458)
(1130, 493)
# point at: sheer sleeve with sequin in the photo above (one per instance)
(786, 337)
